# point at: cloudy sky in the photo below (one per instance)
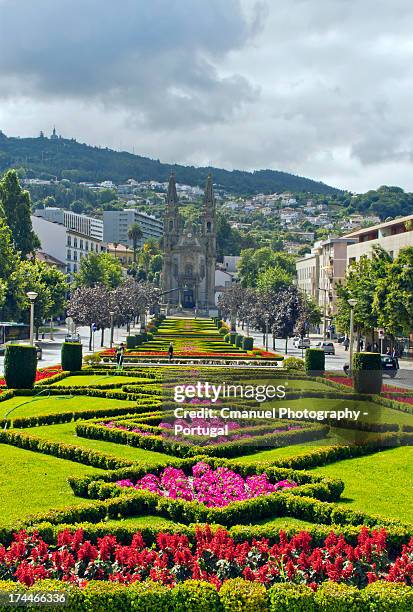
(321, 88)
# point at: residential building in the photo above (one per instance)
(88, 226)
(116, 224)
(390, 235)
(308, 274)
(50, 261)
(230, 263)
(123, 253)
(223, 281)
(64, 244)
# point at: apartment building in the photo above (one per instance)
(88, 226)
(64, 244)
(390, 235)
(116, 224)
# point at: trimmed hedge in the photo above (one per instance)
(71, 356)
(235, 595)
(20, 365)
(248, 344)
(367, 372)
(130, 342)
(314, 361)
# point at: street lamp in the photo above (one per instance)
(352, 304)
(112, 314)
(32, 295)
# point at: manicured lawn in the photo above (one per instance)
(31, 483)
(140, 522)
(33, 406)
(96, 380)
(66, 433)
(287, 521)
(378, 484)
(290, 451)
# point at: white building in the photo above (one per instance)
(65, 244)
(116, 225)
(79, 223)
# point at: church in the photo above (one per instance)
(188, 275)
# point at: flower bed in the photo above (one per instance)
(214, 557)
(214, 488)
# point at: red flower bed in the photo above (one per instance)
(214, 557)
(404, 398)
(348, 382)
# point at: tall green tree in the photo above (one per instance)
(11, 294)
(98, 269)
(361, 283)
(16, 206)
(135, 234)
(393, 301)
(255, 261)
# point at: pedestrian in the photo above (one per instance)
(388, 352)
(120, 353)
(346, 343)
(368, 348)
(361, 344)
(171, 351)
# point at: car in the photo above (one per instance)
(302, 343)
(389, 365)
(340, 339)
(327, 347)
(72, 338)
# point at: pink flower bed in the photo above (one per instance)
(214, 488)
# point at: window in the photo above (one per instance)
(209, 227)
(75, 255)
(86, 245)
(75, 242)
(81, 244)
(74, 268)
(69, 241)
(69, 254)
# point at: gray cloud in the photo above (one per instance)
(319, 88)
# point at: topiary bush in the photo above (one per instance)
(367, 372)
(232, 337)
(20, 364)
(248, 344)
(223, 331)
(72, 356)
(239, 595)
(293, 363)
(238, 340)
(130, 342)
(227, 338)
(290, 596)
(314, 362)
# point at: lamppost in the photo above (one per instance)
(352, 304)
(112, 314)
(267, 316)
(32, 295)
(325, 312)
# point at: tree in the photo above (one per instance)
(273, 279)
(50, 285)
(361, 283)
(88, 306)
(11, 294)
(393, 300)
(287, 311)
(16, 207)
(135, 234)
(99, 269)
(255, 261)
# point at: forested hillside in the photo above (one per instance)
(63, 158)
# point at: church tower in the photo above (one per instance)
(209, 233)
(172, 226)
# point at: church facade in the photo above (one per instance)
(188, 274)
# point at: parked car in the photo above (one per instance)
(302, 343)
(327, 347)
(340, 339)
(72, 338)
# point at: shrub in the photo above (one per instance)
(314, 361)
(232, 337)
(367, 372)
(337, 597)
(383, 596)
(149, 336)
(196, 596)
(20, 364)
(139, 339)
(227, 338)
(223, 331)
(71, 356)
(238, 340)
(238, 595)
(130, 342)
(248, 344)
(291, 597)
(92, 360)
(293, 363)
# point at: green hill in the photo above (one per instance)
(63, 158)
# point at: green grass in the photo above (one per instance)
(285, 521)
(34, 406)
(378, 484)
(95, 380)
(290, 384)
(285, 452)
(66, 433)
(140, 522)
(31, 483)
